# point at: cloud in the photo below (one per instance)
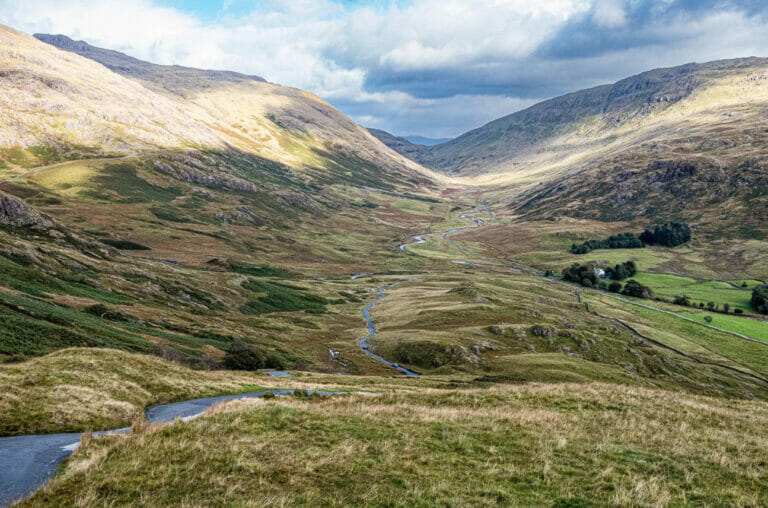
(609, 13)
(434, 67)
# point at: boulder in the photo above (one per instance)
(15, 212)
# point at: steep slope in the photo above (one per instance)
(163, 211)
(398, 144)
(580, 123)
(282, 124)
(684, 143)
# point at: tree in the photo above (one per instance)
(708, 319)
(760, 299)
(671, 234)
(711, 306)
(579, 274)
(634, 288)
(615, 287)
(726, 307)
(682, 300)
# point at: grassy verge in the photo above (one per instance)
(561, 445)
(80, 389)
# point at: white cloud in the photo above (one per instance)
(609, 13)
(439, 59)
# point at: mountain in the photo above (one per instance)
(421, 140)
(139, 202)
(686, 142)
(401, 145)
(579, 123)
(63, 100)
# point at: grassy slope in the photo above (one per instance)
(529, 445)
(79, 389)
(749, 327)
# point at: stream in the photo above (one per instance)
(417, 240)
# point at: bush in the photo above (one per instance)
(682, 300)
(760, 299)
(105, 312)
(708, 319)
(124, 244)
(634, 288)
(738, 311)
(615, 287)
(243, 356)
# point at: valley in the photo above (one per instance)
(169, 234)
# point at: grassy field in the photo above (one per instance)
(535, 444)
(81, 389)
(669, 286)
(705, 343)
(514, 327)
(750, 327)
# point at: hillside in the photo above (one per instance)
(168, 233)
(130, 205)
(684, 143)
(581, 123)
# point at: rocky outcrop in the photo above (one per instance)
(15, 212)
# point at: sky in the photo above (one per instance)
(435, 68)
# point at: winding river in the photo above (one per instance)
(380, 292)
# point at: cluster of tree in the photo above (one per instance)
(671, 234)
(622, 271)
(634, 288)
(620, 241)
(686, 301)
(760, 299)
(581, 274)
(585, 275)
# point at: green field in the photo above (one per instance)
(746, 326)
(669, 286)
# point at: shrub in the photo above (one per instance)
(708, 319)
(105, 312)
(682, 300)
(615, 287)
(760, 299)
(243, 356)
(124, 244)
(738, 311)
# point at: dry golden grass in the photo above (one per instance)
(535, 444)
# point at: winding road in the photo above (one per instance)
(28, 463)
